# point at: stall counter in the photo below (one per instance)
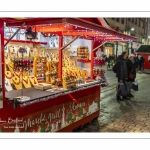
(62, 113)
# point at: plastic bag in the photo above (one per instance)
(121, 89)
(135, 86)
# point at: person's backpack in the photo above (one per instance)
(115, 67)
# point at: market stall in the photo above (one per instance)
(51, 73)
(144, 50)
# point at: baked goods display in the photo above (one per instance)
(99, 61)
(40, 67)
(42, 86)
(83, 54)
(72, 75)
(26, 82)
(28, 67)
(23, 64)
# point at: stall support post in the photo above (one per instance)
(2, 61)
(92, 59)
(116, 51)
(128, 48)
(132, 50)
(60, 58)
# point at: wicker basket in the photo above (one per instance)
(42, 86)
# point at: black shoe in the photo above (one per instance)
(119, 98)
(130, 95)
(126, 98)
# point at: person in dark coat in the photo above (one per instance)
(110, 57)
(141, 63)
(119, 57)
(131, 67)
(106, 59)
(122, 72)
(136, 61)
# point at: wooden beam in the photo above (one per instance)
(68, 43)
(14, 34)
(54, 29)
(99, 46)
(92, 59)
(60, 58)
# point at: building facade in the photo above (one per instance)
(137, 27)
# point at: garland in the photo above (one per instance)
(9, 64)
(17, 75)
(17, 83)
(26, 81)
(33, 78)
(8, 76)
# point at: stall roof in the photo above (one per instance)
(89, 28)
(144, 49)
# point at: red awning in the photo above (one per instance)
(72, 27)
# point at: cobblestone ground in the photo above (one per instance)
(123, 116)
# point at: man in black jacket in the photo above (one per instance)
(122, 72)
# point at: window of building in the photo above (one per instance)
(129, 19)
(139, 39)
(143, 26)
(113, 18)
(145, 32)
(122, 20)
(139, 22)
(132, 20)
(132, 34)
(135, 21)
(117, 19)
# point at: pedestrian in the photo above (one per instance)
(113, 58)
(136, 61)
(110, 57)
(109, 61)
(131, 67)
(106, 61)
(119, 57)
(141, 63)
(122, 72)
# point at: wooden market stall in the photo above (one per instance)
(144, 50)
(51, 90)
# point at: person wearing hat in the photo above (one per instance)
(131, 67)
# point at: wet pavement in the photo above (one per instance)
(123, 116)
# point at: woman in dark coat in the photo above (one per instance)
(131, 67)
